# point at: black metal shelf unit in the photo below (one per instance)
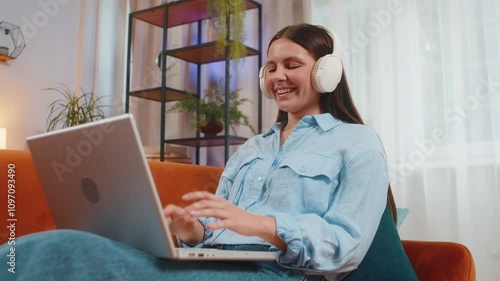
(180, 13)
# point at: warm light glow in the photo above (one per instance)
(3, 138)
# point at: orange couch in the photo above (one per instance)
(431, 260)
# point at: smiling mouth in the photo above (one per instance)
(284, 91)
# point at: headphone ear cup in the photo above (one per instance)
(326, 74)
(262, 82)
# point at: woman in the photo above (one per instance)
(313, 188)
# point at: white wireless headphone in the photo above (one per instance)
(326, 73)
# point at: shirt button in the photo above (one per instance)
(259, 179)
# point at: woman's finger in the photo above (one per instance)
(206, 204)
(212, 213)
(199, 195)
(174, 210)
(168, 219)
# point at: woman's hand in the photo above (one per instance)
(182, 224)
(232, 217)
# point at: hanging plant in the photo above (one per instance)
(220, 12)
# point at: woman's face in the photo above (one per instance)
(288, 78)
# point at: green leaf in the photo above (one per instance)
(222, 11)
(212, 108)
(73, 108)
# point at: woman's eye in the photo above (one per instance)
(271, 69)
(293, 66)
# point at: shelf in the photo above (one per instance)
(5, 58)
(180, 12)
(155, 94)
(188, 13)
(203, 53)
(208, 141)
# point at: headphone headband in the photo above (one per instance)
(327, 70)
(337, 46)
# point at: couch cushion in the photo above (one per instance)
(386, 259)
(29, 205)
(173, 180)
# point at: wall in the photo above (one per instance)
(50, 28)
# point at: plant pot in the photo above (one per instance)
(211, 129)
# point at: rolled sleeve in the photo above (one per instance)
(335, 243)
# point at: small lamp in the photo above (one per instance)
(3, 138)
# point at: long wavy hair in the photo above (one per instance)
(338, 103)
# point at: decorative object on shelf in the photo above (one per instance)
(73, 108)
(208, 112)
(4, 50)
(16, 37)
(163, 56)
(222, 11)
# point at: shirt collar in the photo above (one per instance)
(274, 128)
(325, 121)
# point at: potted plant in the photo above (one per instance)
(4, 50)
(208, 112)
(73, 108)
(222, 11)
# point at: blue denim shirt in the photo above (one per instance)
(326, 186)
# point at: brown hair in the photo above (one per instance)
(338, 103)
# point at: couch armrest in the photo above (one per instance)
(440, 260)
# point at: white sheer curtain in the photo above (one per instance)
(101, 51)
(426, 75)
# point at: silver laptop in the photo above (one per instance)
(96, 179)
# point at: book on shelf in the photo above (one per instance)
(171, 153)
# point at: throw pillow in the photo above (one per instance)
(402, 213)
(386, 259)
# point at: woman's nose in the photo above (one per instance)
(278, 75)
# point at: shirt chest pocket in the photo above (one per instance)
(313, 177)
(237, 175)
